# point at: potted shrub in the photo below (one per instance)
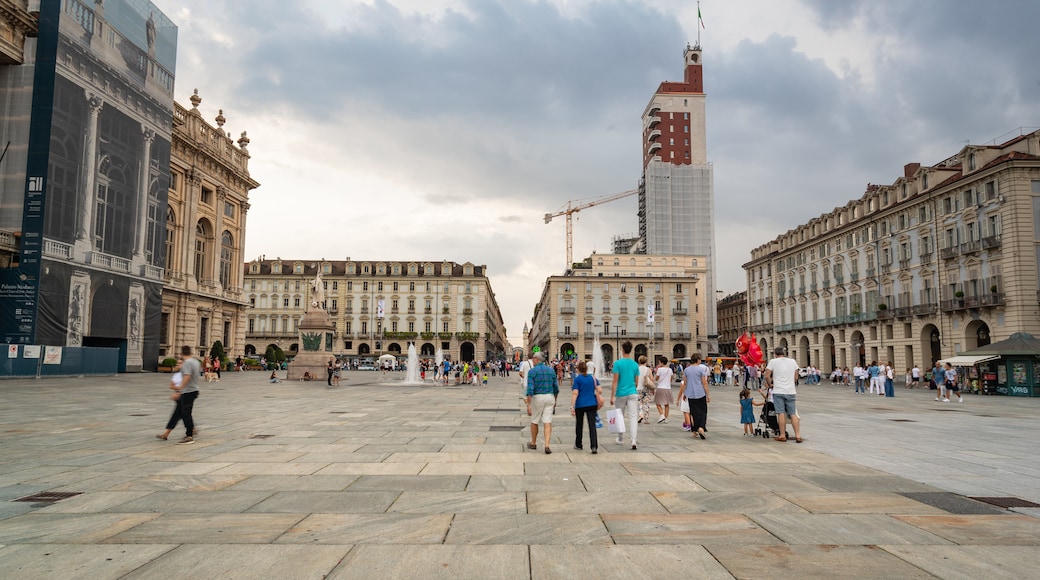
(882, 307)
(166, 366)
(958, 294)
(993, 289)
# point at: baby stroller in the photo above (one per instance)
(767, 425)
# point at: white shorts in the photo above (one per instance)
(542, 409)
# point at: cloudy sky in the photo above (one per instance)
(446, 129)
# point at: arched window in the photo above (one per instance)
(203, 247)
(227, 252)
(171, 228)
(695, 263)
(617, 262)
(113, 217)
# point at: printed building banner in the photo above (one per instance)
(96, 153)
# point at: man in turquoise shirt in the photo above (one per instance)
(623, 393)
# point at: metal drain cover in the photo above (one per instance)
(505, 428)
(903, 420)
(1008, 502)
(48, 496)
(952, 502)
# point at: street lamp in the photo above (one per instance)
(617, 341)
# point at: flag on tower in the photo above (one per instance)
(699, 19)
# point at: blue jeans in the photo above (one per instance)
(859, 385)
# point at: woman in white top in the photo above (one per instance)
(644, 389)
(663, 395)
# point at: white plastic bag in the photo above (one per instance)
(616, 421)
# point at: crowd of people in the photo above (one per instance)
(635, 388)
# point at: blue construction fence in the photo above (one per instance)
(32, 360)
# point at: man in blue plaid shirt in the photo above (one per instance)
(542, 389)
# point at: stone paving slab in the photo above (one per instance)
(1002, 530)
(32, 528)
(595, 561)
(243, 562)
(850, 529)
(859, 503)
(823, 562)
(435, 562)
(593, 502)
(533, 483)
(526, 529)
(972, 562)
(456, 502)
(330, 502)
(194, 528)
(410, 483)
(473, 469)
(733, 502)
(368, 529)
(701, 529)
(294, 483)
(76, 561)
(192, 502)
(197, 483)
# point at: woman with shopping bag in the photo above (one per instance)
(695, 391)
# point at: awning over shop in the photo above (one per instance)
(968, 360)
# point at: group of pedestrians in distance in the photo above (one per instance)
(631, 381)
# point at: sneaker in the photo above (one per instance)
(186, 441)
(946, 400)
(618, 440)
(687, 428)
(960, 399)
(937, 398)
(661, 420)
(665, 420)
(633, 447)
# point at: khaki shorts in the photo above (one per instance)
(542, 409)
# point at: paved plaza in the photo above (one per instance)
(381, 480)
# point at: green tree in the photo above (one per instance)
(274, 354)
(217, 351)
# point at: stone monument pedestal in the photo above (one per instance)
(316, 337)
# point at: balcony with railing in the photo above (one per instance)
(990, 242)
(56, 249)
(467, 311)
(567, 335)
(948, 253)
(971, 247)
(680, 336)
(606, 310)
(566, 310)
(679, 312)
(925, 258)
(109, 262)
(992, 299)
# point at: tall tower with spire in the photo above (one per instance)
(676, 192)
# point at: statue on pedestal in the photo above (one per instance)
(318, 293)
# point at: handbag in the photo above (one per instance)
(616, 421)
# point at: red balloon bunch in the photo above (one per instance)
(748, 350)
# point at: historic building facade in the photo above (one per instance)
(732, 316)
(611, 297)
(203, 300)
(85, 176)
(943, 260)
(378, 307)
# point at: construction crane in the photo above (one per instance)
(573, 209)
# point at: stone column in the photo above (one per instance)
(218, 233)
(88, 201)
(193, 181)
(144, 178)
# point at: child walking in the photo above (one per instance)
(747, 411)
